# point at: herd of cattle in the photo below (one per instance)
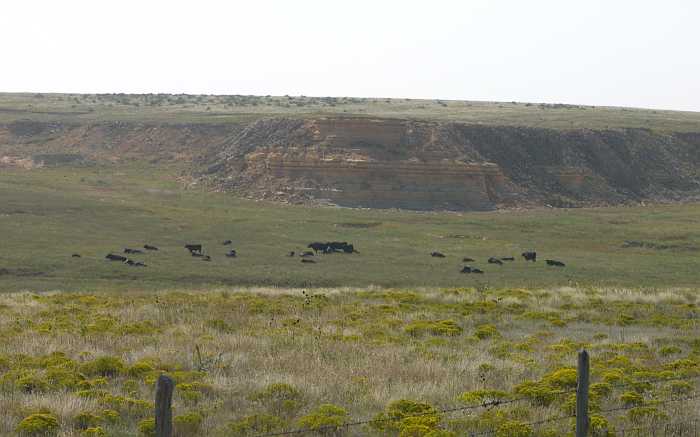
(528, 256)
(197, 251)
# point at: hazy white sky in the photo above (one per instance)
(602, 52)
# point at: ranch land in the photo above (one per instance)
(387, 341)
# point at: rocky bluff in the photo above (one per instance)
(385, 163)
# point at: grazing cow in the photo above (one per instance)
(508, 258)
(466, 269)
(133, 251)
(477, 271)
(129, 262)
(467, 260)
(306, 253)
(291, 254)
(75, 255)
(149, 247)
(304, 260)
(231, 253)
(529, 256)
(437, 255)
(227, 242)
(493, 260)
(555, 263)
(113, 257)
(317, 247)
(194, 248)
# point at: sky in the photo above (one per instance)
(636, 53)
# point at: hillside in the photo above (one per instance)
(383, 153)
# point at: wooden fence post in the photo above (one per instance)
(164, 402)
(582, 394)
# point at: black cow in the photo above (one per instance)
(132, 263)
(508, 258)
(318, 247)
(529, 256)
(466, 269)
(304, 260)
(291, 254)
(478, 271)
(113, 257)
(194, 248)
(132, 251)
(149, 247)
(555, 263)
(437, 255)
(493, 260)
(75, 255)
(227, 242)
(231, 253)
(467, 260)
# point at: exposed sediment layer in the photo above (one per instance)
(425, 165)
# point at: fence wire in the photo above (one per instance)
(499, 403)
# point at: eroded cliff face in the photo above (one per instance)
(422, 165)
(385, 163)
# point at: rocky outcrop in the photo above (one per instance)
(423, 165)
(383, 163)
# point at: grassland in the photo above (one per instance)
(263, 343)
(248, 362)
(48, 214)
(83, 108)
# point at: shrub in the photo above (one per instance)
(147, 427)
(140, 368)
(86, 420)
(38, 424)
(327, 418)
(103, 366)
(514, 428)
(94, 432)
(562, 378)
(599, 426)
(601, 390)
(483, 396)
(188, 424)
(631, 398)
(279, 398)
(640, 414)
(669, 350)
(256, 424)
(433, 327)
(485, 331)
(406, 415)
(31, 383)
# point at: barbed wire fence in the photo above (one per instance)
(581, 418)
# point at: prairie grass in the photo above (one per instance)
(48, 214)
(250, 360)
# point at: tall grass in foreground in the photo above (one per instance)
(259, 360)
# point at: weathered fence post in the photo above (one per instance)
(582, 394)
(164, 401)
